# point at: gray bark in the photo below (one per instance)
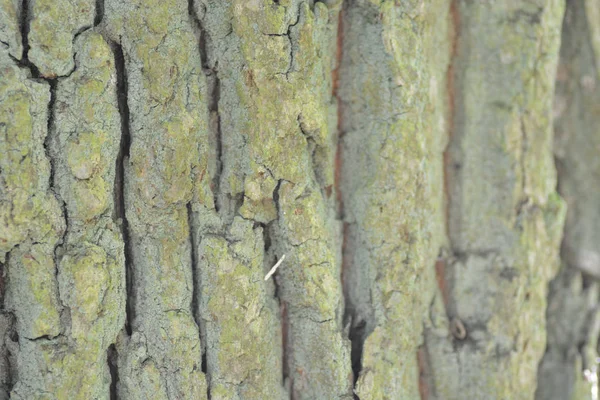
(158, 157)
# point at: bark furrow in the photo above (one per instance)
(119, 183)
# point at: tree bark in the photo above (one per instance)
(159, 157)
(573, 319)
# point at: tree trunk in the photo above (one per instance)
(394, 158)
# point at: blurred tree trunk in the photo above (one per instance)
(573, 318)
(158, 157)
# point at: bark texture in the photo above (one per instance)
(158, 157)
(573, 319)
(504, 218)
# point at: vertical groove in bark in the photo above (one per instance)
(99, 12)
(5, 326)
(213, 96)
(51, 132)
(111, 360)
(51, 136)
(8, 341)
(286, 347)
(194, 241)
(215, 131)
(193, 256)
(119, 185)
(24, 24)
(196, 225)
(3, 272)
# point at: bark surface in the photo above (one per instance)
(573, 319)
(158, 157)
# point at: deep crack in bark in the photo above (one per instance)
(215, 130)
(284, 318)
(195, 309)
(270, 259)
(5, 384)
(99, 12)
(119, 188)
(111, 357)
(213, 96)
(48, 148)
(24, 25)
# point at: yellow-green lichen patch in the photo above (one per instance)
(33, 292)
(52, 28)
(30, 218)
(66, 374)
(88, 131)
(258, 196)
(83, 154)
(243, 337)
(27, 210)
(91, 285)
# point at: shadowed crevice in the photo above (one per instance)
(119, 187)
(50, 152)
(214, 95)
(99, 14)
(283, 307)
(7, 327)
(8, 352)
(214, 132)
(114, 371)
(24, 25)
(50, 131)
(195, 308)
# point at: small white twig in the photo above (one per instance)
(272, 271)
